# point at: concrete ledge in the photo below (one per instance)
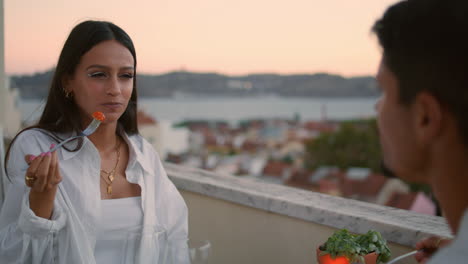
(397, 226)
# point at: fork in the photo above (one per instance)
(88, 131)
(402, 256)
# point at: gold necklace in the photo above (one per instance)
(111, 174)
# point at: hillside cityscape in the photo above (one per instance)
(190, 84)
(340, 158)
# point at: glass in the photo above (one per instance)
(161, 249)
(200, 251)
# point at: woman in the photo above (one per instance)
(104, 198)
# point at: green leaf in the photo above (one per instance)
(354, 247)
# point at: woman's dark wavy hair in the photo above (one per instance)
(61, 114)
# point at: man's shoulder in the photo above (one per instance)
(457, 251)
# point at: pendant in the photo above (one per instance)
(111, 177)
(109, 189)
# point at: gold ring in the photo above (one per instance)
(30, 178)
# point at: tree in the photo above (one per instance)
(354, 144)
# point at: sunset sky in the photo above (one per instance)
(225, 36)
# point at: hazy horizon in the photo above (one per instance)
(211, 72)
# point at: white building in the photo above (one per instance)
(174, 140)
(10, 116)
(163, 136)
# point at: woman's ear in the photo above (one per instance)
(66, 87)
(428, 117)
(66, 80)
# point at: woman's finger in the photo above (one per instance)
(29, 158)
(34, 164)
(58, 175)
(55, 177)
(31, 176)
(51, 178)
(42, 172)
(54, 169)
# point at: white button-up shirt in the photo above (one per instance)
(70, 235)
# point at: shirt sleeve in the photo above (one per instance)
(38, 227)
(25, 237)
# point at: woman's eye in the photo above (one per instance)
(127, 75)
(97, 75)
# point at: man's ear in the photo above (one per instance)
(427, 117)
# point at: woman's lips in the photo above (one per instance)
(112, 105)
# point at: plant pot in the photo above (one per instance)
(370, 258)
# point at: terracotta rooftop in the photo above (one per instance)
(145, 119)
(275, 168)
(368, 187)
(320, 126)
(401, 200)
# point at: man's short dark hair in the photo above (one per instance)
(425, 44)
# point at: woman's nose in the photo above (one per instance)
(113, 87)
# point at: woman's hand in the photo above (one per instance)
(429, 246)
(42, 176)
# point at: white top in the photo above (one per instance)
(70, 236)
(118, 216)
(457, 251)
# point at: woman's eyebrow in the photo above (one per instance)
(128, 68)
(96, 66)
(106, 67)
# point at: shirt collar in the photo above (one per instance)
(137, 153)
(135, 147)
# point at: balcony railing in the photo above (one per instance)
(249, 221)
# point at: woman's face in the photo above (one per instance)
(103, 81)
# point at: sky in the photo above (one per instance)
(234, 37)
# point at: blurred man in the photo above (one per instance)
(423, 111)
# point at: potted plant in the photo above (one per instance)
(346, 248)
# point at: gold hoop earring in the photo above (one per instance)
(68, 94)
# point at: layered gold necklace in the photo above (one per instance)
(110, 175)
